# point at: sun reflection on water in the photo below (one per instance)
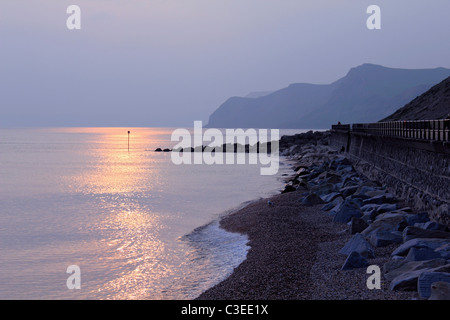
(117, 178)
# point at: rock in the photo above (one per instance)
(380, 199)
(330, 196)
(412, 232)
(334, 179)
(363, 189)
(354, 261)
(385, 238)
(387, 207)
(289, 188)
(358, 244)
(394, 268)
(336, 202)
(387, 223)
(311, 200)
(433, 244)
(375, 193)
(431, 225)
(357, 225)
(324, 188)
(408, 281)
(421, 254)
(328, 206)
(444, 251)
(348, 191)
(418, 218)
(158, 150)
(339, 161)
(441, 291)
(369, 207)
(347, 210)
(376, 209)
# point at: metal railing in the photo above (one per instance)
(432, 130)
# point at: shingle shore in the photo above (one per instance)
(295, 244)
(294, 255)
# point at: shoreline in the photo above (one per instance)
(294, 251)
(293, 255)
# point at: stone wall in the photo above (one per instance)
(416, 171)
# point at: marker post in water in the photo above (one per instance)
(128, 141)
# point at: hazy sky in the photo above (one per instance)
(170, 62)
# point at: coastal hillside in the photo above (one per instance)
(433, 104)
(366, 94)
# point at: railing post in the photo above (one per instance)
(446, 129)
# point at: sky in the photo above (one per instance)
(168, 63)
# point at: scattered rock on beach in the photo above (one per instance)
(376, 219)
(355, 260)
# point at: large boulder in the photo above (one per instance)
(385, 238)
(349, 190)
(330, 196)
(311, 200)
(380, 199)
(408, 280)
(324, 188)
(347, 210)
(357, 225)
(420, 217)
(432, 225)
(440, 291)
(438, 282)
(394, 268)
(354, 261)
(432, 244)
(385, 223)
(358, 244)
(412, 232)
(422, 254)
(444, 251)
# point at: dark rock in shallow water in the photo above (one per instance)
(158, 150)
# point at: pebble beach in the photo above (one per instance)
(294, 256)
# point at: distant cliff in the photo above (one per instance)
(433, 104)
(367, 93)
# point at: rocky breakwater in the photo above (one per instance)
(420, 257)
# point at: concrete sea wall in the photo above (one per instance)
(416, 171)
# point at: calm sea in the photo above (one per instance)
(137, 225)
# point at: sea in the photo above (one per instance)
(134, 224)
